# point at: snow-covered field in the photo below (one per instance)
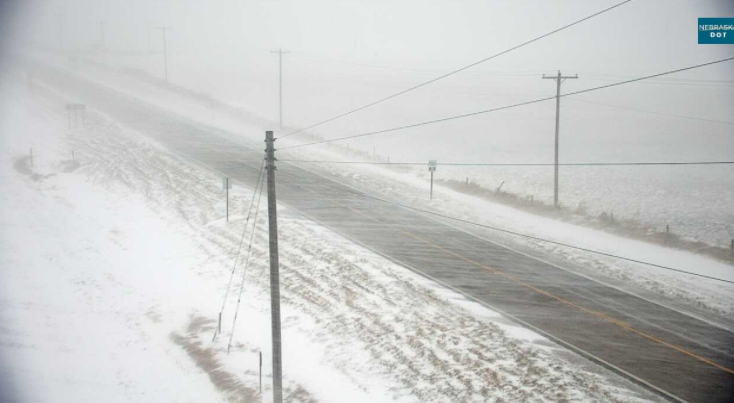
(114, 266)
(693, 200)
(708, 299)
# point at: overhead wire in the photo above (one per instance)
(242, 238)
(534, 101)
(511, 73)
(247, 263)
(458, 70)
(515, 164)
(652, 112)
(444, 216)
(525, 73)
(680, 80)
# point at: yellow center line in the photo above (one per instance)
(553, 296)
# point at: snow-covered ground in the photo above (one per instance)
(693, 200)
(710, 300)
(114, 266)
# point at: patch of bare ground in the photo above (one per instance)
(24, 166)
(69, 166)
(194, 344)
(206, 359)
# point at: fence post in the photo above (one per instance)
(261, 372)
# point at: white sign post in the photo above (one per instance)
(227, 184)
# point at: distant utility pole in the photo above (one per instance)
(165, 52)
(274, 270)
(280, 53)
(61, 31)
(432, 168)
(559, 79)
(150, 29)
(102, 25)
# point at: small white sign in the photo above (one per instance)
(226, 183)
(432, 165)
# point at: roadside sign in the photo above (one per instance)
(432, 165)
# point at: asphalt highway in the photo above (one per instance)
(679, 356)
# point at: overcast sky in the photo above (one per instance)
(348, 53)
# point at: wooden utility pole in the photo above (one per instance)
(165, 52)
(432, 168)
(280, 53)
(559, 79)
(102, 34)
(274, 270)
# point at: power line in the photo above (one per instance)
(660, 82)
(512, 73)
(239, 249)
(653, 112)
(459, 70)
(527, 73)
(522, 73)
(509, 106)
(663, 81)
(359, 193)
(247, 263)
(517, 164)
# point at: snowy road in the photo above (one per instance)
(680, 355)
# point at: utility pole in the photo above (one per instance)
(102, 34)
(274, 270)
(280, 53)
(165, 52)
(150, 48)
(559, 79)
(432, 168)
(61, 30)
